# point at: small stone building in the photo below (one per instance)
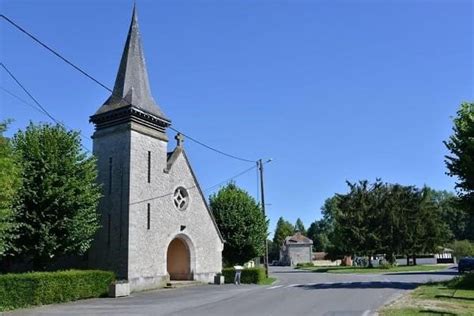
(156, 224)
(296, 249)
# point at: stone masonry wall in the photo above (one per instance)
(110, 253)
(148, 247)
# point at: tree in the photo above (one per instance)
(421, 228)
(10, 181)
(299, 226)
(241, 222)
(322, 231)
(460, 162)
(319, 233)
(283, 229)
(460, 222)
(462, 248)
(387, 218)
(358, 223)
(59, 195)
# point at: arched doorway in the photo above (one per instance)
(178, 260)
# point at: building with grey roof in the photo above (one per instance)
(296, 249)
(156, 224)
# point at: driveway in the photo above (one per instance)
(295, 293)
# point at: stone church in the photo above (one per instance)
(156, 224)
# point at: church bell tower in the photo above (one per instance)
(130, 145)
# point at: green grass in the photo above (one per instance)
(267, 281)
(454, 297)
(341, 269)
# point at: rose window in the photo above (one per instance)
(181, 198)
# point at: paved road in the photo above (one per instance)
(295, 293)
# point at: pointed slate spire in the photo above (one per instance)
(131, 85)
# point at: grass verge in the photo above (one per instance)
(340, 269)
(455, 297)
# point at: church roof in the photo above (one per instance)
(132, 87)
(298, 238)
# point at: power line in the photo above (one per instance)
(54, 52)
(43, 110)
(21, 100)
(195, 187)
(211, 148)
(110, 90)
(29, 94)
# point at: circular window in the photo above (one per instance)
(181, 198)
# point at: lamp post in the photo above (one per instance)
(262, 194)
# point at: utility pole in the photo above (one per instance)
(262, 194)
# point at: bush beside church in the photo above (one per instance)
(39, 288)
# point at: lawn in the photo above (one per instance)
(455, 297)
(341, 269)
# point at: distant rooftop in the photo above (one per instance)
(298, 238)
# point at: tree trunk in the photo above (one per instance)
(414, 260)
(408, 260)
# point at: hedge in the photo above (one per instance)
(251, 275)
(35, 288)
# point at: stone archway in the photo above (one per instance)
(178, 260)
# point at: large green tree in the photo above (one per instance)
(299, 226)
(460, 222)
(10, 181)
(241, 222)
(321, 231)
(386, 218)
(358, 220)
(57, 201)
(283, 229)
(460, 162)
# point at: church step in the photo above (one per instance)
(179, 284)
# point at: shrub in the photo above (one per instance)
(465, 282)
(248, 276)
(462, 248)
(35, 288)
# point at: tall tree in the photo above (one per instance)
(321, 231)
(241, 222)
(460, 222)
(358, 221)
(460, 162)
(58, 198)
(10, 181)
(283, 229)
(299, 226)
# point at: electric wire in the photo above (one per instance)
(110, 90)
(196, 187)
(40, 107)
(21, 100)
(28, 93)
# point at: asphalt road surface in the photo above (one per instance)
(295, 293)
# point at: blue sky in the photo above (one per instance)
(331, 90)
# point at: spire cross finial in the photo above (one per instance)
(179, 140)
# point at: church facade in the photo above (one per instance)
(156, 224)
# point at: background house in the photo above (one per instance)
(296, 249)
